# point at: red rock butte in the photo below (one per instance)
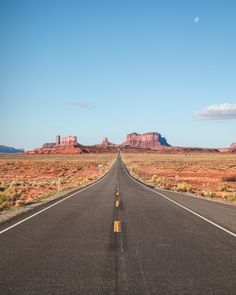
(145, 140)
(106, 143)
(135, 142)
(67, 141)
(64, 145)
(69, 144)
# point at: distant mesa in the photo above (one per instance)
(69, 144)
(145, 140)
(106, 143)
(104, 147)
(67, 141)
(233, 145)
(10, 150)
(64, 145)
(135, 142)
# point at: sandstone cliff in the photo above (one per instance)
(106, 143)
(64, 145)
(48, 145)
(69, 144)
(145, 140)
(56, 150)
(66, 141)
(69, 141)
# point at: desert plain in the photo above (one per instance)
(208, 175)
(27, 179)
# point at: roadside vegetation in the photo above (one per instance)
(25, 179)
(208, 175)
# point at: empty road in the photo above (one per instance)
(167, 244)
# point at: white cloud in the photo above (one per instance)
(79, 104)
(196, 19)
(222, 111)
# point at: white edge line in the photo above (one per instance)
(58, 202)
(191, 211)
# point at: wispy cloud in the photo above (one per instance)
(222, 111)
(80, 104)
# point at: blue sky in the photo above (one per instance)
(106, 68)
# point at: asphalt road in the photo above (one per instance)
(163, 248)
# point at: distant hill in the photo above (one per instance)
(10, 150)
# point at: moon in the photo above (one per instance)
(196, 19)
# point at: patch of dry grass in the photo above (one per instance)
(209, 175)
(25, 179)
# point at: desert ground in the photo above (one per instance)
(210, 175)
(25, 179)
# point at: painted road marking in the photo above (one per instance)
(54, 204)
(117, 193)
(117, 203)
(117, 226)
(182, 206)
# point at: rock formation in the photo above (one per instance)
(141, 143)
(233, 145)
(69, 144)
(56, 150)
(48, 145)
(106, 143)
(58, 140)
(68, 141)
(66, 145)
(145, 140)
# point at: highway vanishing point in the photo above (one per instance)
(118, 236)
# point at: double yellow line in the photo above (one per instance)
(117, 223)
(117, 226)
(117, 204)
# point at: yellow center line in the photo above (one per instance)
(117, 226)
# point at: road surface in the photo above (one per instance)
(164, 245)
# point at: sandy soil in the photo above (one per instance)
(211, 175)
(26, 179)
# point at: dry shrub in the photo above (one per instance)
(4, 201)
(2, 188)
(184, 187)
(158, 181)
(209, 194)
(211, 175)
(230, 197)
(223, 187)
(30, 178)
